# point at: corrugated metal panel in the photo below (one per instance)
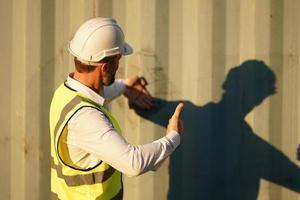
(186, 50)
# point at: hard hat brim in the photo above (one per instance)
(127, 49)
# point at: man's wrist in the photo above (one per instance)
(122, 85)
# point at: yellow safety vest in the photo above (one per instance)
(68, 181)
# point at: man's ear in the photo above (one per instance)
(104, 68)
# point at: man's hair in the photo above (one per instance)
(84, 68)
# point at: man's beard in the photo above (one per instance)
(107, 81)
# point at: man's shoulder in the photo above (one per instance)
(89, 120)
(89, 115)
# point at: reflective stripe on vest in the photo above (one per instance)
(65, 111)
(83, 179)
(68, 181)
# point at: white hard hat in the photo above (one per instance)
(98, 38)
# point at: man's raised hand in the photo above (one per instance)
(175, 123)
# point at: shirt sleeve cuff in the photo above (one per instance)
(173, 138)
(122, 85)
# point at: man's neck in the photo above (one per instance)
(91, 80)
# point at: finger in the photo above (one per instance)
(148, 97)
(145, 91)
(138, 94)
(145, 101)
(140, 100)
(140, 88)
(143, 81)
(144, 106)
(178, 110)
(133, 95)
(138, 104)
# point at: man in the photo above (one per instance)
(87, 151)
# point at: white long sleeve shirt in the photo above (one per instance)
(91, 138)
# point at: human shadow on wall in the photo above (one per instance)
(220, 157)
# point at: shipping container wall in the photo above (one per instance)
(234, 63)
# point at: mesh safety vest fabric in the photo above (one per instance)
(69, 181)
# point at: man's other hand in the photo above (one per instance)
(137, 93)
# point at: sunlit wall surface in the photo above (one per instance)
(235, 64)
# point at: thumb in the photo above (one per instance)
(178, 110)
